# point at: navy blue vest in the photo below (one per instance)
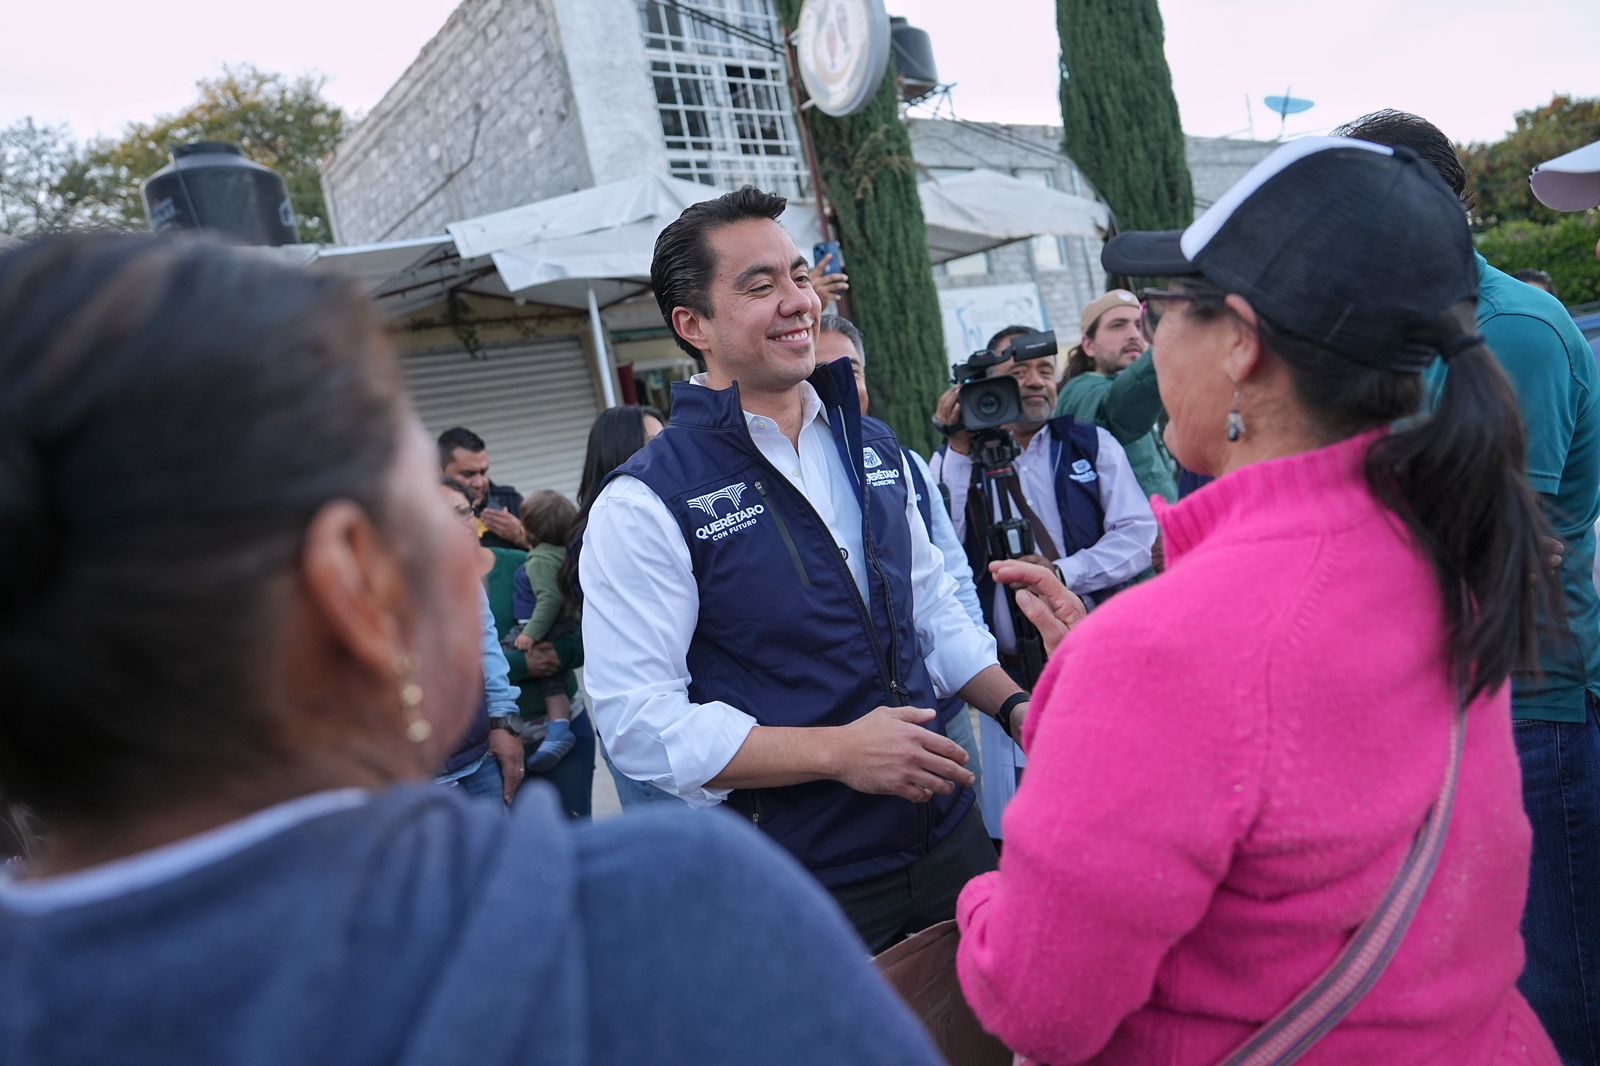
(783, 632)
(1074, 458)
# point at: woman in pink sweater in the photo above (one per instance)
(1228, 765)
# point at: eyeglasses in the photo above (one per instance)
(1153, 305)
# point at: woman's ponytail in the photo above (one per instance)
(1458, 481)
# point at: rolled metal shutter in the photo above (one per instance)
(532, 406)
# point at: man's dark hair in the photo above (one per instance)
(681, 269)
(1537, 277)
(458, 437)
(1401, 129)
(846, 329)
(1009, 331)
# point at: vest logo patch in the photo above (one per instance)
(708, 502)
(736, 521)
(869, 458)
(1083, 472)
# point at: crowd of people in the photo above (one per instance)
(1303, 536)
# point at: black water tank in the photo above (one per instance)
(913, 58)
(210, 185)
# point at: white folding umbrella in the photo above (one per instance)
(1570, 182)
(592, 248)
(982, 209)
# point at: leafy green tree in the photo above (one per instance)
(43, 181)
(1119, 113)
(1565, 248)
(278, 121)
(871, 182)
(1498, 173)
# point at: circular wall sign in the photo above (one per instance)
(843, 48)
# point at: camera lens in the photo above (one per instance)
(989, 406)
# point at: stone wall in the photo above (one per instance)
(509, 103)
(1215, 163)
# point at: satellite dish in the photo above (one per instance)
(1285, 106)
(1288, 105)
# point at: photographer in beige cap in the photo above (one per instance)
(1111, 383)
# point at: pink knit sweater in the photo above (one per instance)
(1226, 766)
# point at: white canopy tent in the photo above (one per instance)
(983, 209)
(589, 249)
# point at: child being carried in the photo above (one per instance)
(540, 609)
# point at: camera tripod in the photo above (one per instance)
(997, 489)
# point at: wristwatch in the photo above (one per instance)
(1003, 715)
(502, 722)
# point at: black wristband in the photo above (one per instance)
(1003, 715)
(502, 722)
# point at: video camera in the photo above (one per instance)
(988, 403)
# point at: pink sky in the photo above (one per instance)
(1467, 65)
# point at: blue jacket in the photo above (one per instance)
(783, 633)
(419, 928)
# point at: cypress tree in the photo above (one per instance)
(1120, 116)
(868, 173)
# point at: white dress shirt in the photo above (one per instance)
(1121, 553)
(641, 605)
(948, 541)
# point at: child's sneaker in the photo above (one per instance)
(557, 742)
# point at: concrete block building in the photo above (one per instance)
(516, 101)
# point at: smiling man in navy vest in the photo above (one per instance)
(766, 623)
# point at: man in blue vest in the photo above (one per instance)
(1091, 521)
(766, 624)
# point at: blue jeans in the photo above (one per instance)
(483, 781)
(1561, 926)
(634, 794)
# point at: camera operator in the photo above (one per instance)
(1089, 517)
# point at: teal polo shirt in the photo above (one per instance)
(1553, 369)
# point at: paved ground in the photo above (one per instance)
(605, 790)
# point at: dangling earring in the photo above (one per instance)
(1235, 420)
(418, 728)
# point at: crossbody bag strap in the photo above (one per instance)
(1343, 985)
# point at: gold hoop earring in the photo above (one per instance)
(418, 728)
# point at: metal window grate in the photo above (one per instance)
(724, 101)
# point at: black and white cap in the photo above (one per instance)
(1348, 245)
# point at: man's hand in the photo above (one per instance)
(948, 413)
(1034, 559)
(829, 286)
(888, 753)
(1046, 602)
(542, 660)
(505, 525)
(507, 751)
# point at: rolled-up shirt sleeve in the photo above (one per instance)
(640, 606)
(955, 650)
